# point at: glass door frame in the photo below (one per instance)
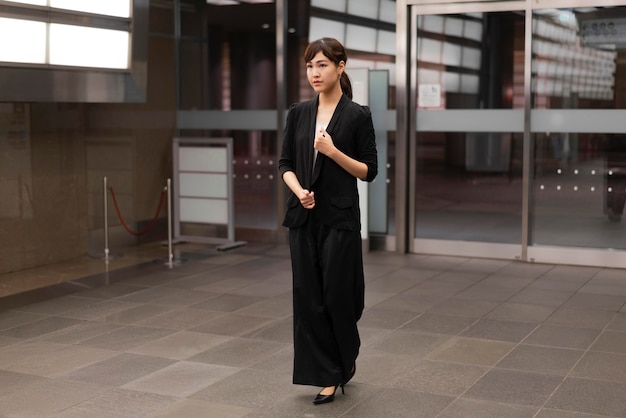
(407, 119)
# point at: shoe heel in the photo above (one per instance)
(343, 392)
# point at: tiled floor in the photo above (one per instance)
(211, 337)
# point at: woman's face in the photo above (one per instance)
(323, 74)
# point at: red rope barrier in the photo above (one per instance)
(149, 227)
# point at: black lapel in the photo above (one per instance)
(330, 129)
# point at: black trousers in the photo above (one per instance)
(328, 300)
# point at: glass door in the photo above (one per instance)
(578, 133)
(466, 136)
(515, 133)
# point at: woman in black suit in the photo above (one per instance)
(329, 143)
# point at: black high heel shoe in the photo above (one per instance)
(320, 399)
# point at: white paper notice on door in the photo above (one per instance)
(429, 95)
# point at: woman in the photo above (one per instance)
(329, 142)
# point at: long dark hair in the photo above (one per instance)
(334, 51)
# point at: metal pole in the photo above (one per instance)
(404, 47)
(528, 149)
(177, 34)
(169, 223)
(106, 222)
(281, 96)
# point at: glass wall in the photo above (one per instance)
(578, 79)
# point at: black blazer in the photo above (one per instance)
(336, 194)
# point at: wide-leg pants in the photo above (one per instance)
(328, 300)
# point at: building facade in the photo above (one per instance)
(499, 125)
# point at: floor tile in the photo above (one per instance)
(439, 324)
(183, 297)
(409, 343)
(52, 397)
(471, 351)
(478, 408)
(118, 370)
(57, 305)
(589, 301)
(280, 331)
(43, 358)
(618, 323)
(273, 307)
(407, 302)
(5, 340)
(521, 388)
(611, 341)
(111, 291)
(180, 345)
(441, 378)
(591, 397)
(192, 408)
(12, 382)
(543, 297)
(486, 292)
(135, 314)
(126, 337)
(567, 337)
(271, 287)
(227, 302)
(549, 360)
(40, 327)
(117, 403)
(280, 362)
(239, 352)
(247, 388)
(99, 308)
(504, 279)
(232, 324)
(400, 280)
(464, 307)
(490, 329)
(403, 404)
(155, 293)
(580, 318)
(602, 366)
(385, 318)
(180, 319)
(555, 413)
(181, 379)
(520, 312)
(15, 318)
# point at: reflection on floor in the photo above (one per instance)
(81, 268)
(211, 336)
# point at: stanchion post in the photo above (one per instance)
(106, 221)
(169, 223)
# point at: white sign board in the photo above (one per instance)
(429, 95)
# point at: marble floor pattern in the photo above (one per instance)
(211, 336)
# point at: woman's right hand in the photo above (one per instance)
(307, 199)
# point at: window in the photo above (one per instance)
(96, 49)
(53, 38)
